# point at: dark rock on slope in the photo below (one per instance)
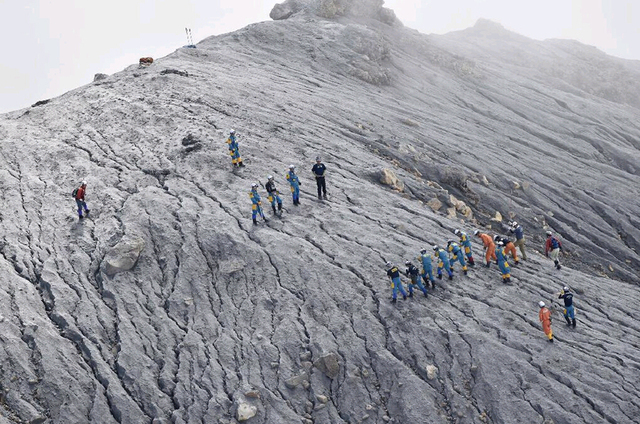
(167, 305)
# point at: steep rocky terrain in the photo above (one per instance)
(167, 305)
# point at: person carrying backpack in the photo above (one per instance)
(79, 194)
(414, 274)
(274, 195)
(234, 150)
(552, 249)
(518, 231)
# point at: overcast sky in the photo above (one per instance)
(52, 46)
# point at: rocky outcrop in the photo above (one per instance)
(290, 321)
(333, 9)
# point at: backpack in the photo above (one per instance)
(74, 193)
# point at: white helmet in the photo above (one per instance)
(292, 166)
(541, 304)
(456, 232)
(476, 232)
(514, 224)
(232, 132)
(565, 289)
(407, 262)
(254, 185)
(423, 251)
(389, 265)
(435, 247)
(549, 233)
(269, 177)
(84, 183)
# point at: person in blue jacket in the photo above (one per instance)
(458, 256)
(465, 242)
(443, 262)
(501, 254)
(414, 275)
(569, 311)
(295, 183)
(518, 231)
(273, 195)
(427, 268)
(234, 149)
(256, 204)
(394, 274)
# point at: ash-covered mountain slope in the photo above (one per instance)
(168, 305)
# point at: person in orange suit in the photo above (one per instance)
(509, 247)
(489, 247)
(545, 319)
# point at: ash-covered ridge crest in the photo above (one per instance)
(334, 9)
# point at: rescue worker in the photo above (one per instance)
(256, 204)
(319, 171)
(552, 249)
(518, 231)
(427, 269)
(414, 275)
(234, 150)
(458, 256)
(545, 319)
(295, 183)
(273, 195)
(569, 312)
(394, 274)
(508, 247)
(489, 247)
(79, 196)
(443, 262)
(465, 242)
(501, 254)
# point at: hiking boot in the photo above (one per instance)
(574, 323)
(439, 276)
(393, 300)
(516, 263)
(241, 165)
(86, 211)
(550, 340)
(255, 221)
(464, 272)
(559, 266)
(450, 277)
(433, 285)
(325, 197)
(404, 297)
(568, 320)
(80, 216)
(488, 265)
(279, 206)
(411, 294)
(425, 293)
(274, 209)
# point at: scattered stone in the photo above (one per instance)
(432, 372)
(434, 204)
(319, 406)
(305, 356)
(329, 364)
(306, 365)
(254, 394)
(369, 407)
(99, 77)
(516, 185)
(385, 418)
(451, 213)
(364, 417)
(322, 398)
(387, 177)
(245, 411)
(485, 181)
(497, 217)
(296, 381)
(174, 71)
(275, 364)
(123, 256)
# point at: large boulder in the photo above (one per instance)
(123, 256)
